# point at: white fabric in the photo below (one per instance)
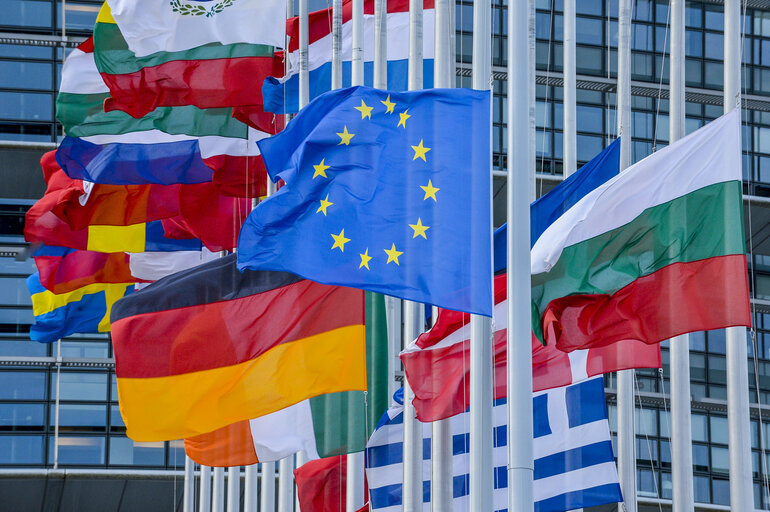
(707, 156)
(284, 432)
(151, 266)
(151, 26)
(209, 145)
(80, 76)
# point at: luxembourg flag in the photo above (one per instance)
(282, 96)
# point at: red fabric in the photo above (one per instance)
(321, 484)
(213, 218)
(239, 176)
(257, 118)
(62, 274)
(211, 83)
(708, 294)
(440, 377)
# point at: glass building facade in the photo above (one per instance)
(90, 430)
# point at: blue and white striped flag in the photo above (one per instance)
(574, 463)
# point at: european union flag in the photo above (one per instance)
(385, 191)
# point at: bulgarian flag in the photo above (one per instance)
(655, 252)
(163, 61)
(323, 426)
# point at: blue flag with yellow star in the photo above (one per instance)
(385, 191)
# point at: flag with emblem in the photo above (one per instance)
(385, 191)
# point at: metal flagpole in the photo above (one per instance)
(380, 44)
(234, 489)
(188, 503)
(413, 312)
(681, 434)
(531, 40)
(441, 488)
(519, 347)
(250, 484)
(625, 390)
(205, 490)
(481, 472)
(357, 65)
(218, 491)
(286, 484)
(267, 497)
(336, 44)
(570, 88)
(741, 488)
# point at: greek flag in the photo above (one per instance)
(574, 462)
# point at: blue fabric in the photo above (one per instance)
(320, 79)
(551, 206)
(156, 240)
(133, 164)
(584, 404)
(583, 498)
(379, 187)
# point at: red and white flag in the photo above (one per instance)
(437, 364)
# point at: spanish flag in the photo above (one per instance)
(211, 346)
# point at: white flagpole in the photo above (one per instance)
(188, 503)
(625, 389)
(570, 88)
(519, 312)
(413, 312)
(481, 472)
(234, 489)
(681, 434)
(250, 485)
(286, 484)
(441, 489)
(357, 66)
(336, 44)
(380, 44)
(218, 491)
(267, 497)
(205, 490)
(741, 488)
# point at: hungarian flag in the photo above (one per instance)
(437, 364)
(168, 145)
(212, 346)
(655, 252)
(322, 426)
(164, 61)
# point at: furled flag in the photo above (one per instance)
(384, 191)
(322, 426)
(574, 463)
(653, 253)
(552, 205)
(177, 65)
(437, 364)
(211, 346)
(169, 145)
(282, 95)
(63, 270)
(84, 310)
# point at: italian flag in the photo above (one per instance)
(655, 252)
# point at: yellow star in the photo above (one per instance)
(419, 229)
(365, 259)
(320, 169)
(366, 111)
(389, 106)
(325, 203)
(340, 240)
(393, 254)
(345, 136)
(430, 191)
(404, 117)
(419, 151)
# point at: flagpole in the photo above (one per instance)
(683, 499)
(441, 434)
(531, 40)
(519, 348)
(205, 490)
(218, 491)
(481, 395)
(234, 489)
(741, 487)
(413, 317)
(250, 483)
(570, 89)
(188, 502)
(267, 496)
(625, 390)
(380, 44)
(336, 44)
(286, 484)
(357, 66)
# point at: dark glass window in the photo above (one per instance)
(21, 449)
(22, 385)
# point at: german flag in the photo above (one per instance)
(211, 346)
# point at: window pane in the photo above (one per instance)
(588, 147)
(719, 429)
(699, 427)
(22, 385)
(79, 16)
(81, 386)
(78, 450)
(26, 75)
(646, 422)
(22, 348)
(87, 349)
(589, 60)
(26, 105)
(717, 341)
(21, 449)
(590, 119)
(22, 417)
(79, 417)
(645, 483)
(721, 492)
(714, 46)
(720, 460)
(589, 31)
(124, 451)
(26, 13)
(701, 488)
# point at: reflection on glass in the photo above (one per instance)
(81, 386)
(21, 385)
(80, 417)
(124, 451)
(78, 450)
(22, 417)
(21, 449)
